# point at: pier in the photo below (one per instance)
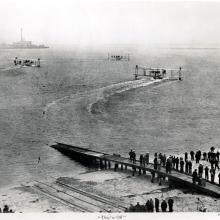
(107, 161)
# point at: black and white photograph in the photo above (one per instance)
(109, 107)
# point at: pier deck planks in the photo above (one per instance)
(175, 176)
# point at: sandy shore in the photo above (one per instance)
(119, 187)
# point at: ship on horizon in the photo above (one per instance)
(22, 44)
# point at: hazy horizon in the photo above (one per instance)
(98, 23)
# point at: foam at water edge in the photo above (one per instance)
(106, 92)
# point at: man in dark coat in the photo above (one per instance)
(206, 173)
(167, 166)
(204, 155)
(192, 155)
(181, 165)
(186, 156)
(130, 154)
(186, 166)
(141, 159)
(134, 157)
(194, 176)
(173, 161)
(164, 206)
(157, 203)
(177, 163)
(151, 205)
(190, 167)
(147, 206)
(197, 157)
(155, 163)
(200, 170)
(170, 203)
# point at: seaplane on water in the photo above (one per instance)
(157, 72)
(27, 62)
(113, 57)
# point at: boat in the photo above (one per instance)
(22, 44)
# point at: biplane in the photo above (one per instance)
(27, 62)
(156, 72)
(113, 57)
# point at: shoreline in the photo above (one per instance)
(119, 187)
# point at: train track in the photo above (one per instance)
(60, 200)
(83, 201)
(95, 197)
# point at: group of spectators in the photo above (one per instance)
(6, 209)
(185, 164)
(151, 206)
(144, 159)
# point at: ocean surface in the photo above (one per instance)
(81, 98)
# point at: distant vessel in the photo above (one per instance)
(22, 44)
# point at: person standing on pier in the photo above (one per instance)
(212, 172)
(173, 161)
(219, 179)
(186, 166)
(186, 156)
(158, 163)
(144, 161)
(130, 155)
(192, 155)
(181, 165)
(197, 157)
(134, 157)
(190, 167)
(200, 170)
(147, 158)
(141, 159)
(204, 155)
(206, 173)
(168, 165)
(209, 155)
(177, 163)
(194, 176)
(164, 206)
(155, 163)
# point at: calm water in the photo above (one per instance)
(171, 117)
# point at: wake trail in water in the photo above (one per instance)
(99, 96)
(10, 68)
(104, 93)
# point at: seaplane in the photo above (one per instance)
(113, 57)
(157, 72)
(27, 62)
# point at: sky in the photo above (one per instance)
(103, 22)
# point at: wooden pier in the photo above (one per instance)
(105, 161)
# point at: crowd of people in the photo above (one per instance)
(6, 210)
(151, 206)
(185, 164)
